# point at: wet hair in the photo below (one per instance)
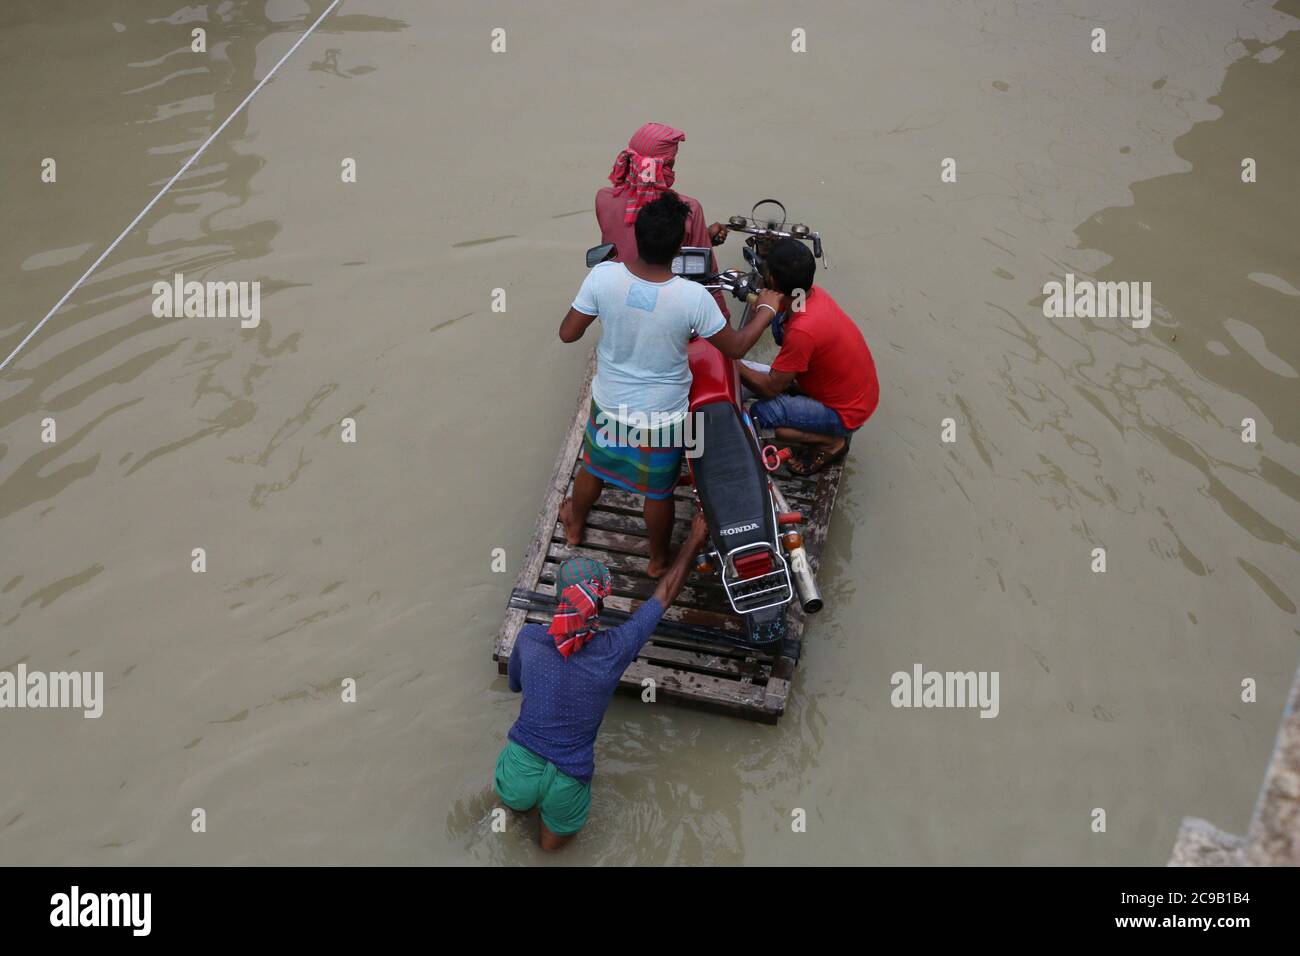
(791, 266)
(660, 228)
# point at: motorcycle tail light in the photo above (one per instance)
(752, 565)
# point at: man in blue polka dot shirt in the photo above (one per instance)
(567, 674)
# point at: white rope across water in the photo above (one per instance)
(180, 172)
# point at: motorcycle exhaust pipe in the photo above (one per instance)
(810, 598)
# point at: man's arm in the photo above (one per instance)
(767, 384)
(633, 634)
(670, 585)
(574, 324)
(734, 343)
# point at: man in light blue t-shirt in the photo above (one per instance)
(647, 317)
(645, 326)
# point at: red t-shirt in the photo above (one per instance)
(826, 351)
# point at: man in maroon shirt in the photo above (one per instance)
(642, 173)
(823, 355)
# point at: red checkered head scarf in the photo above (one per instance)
(640, 171)
(583, 583)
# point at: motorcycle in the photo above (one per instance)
(754, 545)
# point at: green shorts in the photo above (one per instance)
(525, 780)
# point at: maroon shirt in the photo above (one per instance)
(611, 209)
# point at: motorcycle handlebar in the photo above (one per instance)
(744, 286)
(765, 231)
(799, 231)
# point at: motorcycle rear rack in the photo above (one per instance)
(775, 587)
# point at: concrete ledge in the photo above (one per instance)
(1274, 835)
(1202, 844)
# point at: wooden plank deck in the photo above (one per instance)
(702, 668)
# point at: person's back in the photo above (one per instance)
(565, 698)
(611, 208)
(641, 361)
(825, 348)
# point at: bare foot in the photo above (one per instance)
(657, 569)
(572, 534)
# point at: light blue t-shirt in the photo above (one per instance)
(641, 362)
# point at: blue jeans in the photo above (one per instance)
(798, 411)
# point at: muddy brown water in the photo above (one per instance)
(475, 172)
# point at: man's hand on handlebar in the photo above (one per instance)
(717, 233)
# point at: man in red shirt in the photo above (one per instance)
(823, 355)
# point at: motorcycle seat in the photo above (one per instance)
(731, 480)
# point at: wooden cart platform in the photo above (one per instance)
(701, 664)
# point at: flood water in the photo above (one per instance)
(476, 170)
